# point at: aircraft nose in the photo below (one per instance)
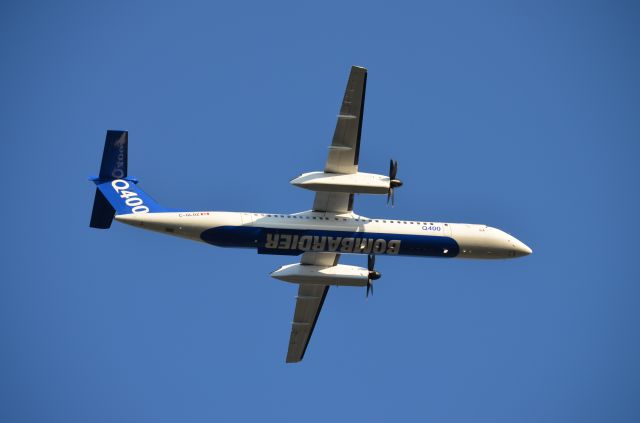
(521, 249)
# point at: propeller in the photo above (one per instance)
(393, 182)
(373, 274)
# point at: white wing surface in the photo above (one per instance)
(343, 159)
(344, 151)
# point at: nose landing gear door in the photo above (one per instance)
(247, 219)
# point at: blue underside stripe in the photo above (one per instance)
(263, 240)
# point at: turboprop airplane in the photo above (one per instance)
(319, 236)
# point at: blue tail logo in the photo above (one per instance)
(115, 191)
(114, 157)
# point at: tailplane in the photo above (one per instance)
(116, 192)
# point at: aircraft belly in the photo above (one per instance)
(289, 241)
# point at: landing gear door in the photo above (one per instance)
(247, 219)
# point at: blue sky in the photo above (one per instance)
(520, 115)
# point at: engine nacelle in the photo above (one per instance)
(364, 183)
(341, 274)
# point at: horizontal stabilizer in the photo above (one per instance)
(103, 212)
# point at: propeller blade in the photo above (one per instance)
(371, 263)
(393, 182)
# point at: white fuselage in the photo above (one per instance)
(293, 234)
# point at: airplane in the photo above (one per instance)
(319, 236)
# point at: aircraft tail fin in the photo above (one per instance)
(116, 193)
(115, 155)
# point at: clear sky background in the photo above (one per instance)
(522, 115)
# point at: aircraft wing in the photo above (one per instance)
(344, 151)
(345, 147)
(308, 305)
(343, 158)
